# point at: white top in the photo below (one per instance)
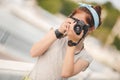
(49, 65)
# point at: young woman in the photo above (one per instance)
(61, 52)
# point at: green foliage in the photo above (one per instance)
(117, 42)
(101, 33)
(68, 6)
(112, 15)
(108, 23)
(53, 6)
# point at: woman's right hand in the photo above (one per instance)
(65, 25)
(63, 28)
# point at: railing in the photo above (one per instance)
(13, 70)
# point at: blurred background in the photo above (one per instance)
(24, 22)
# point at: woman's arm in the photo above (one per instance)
(70, 68)
(68, 65)
(40, 47)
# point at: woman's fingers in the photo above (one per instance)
(69, 20)
(63, 28)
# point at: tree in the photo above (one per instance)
(53, 6)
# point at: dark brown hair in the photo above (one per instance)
(89, 17)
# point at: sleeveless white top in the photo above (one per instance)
(49, 65)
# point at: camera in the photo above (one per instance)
(79, 26)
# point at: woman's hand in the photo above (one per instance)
(71, 33)
(64, 27)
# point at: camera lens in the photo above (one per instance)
(77, 29)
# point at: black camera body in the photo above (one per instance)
(79, 26)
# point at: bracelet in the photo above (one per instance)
(58, 34)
